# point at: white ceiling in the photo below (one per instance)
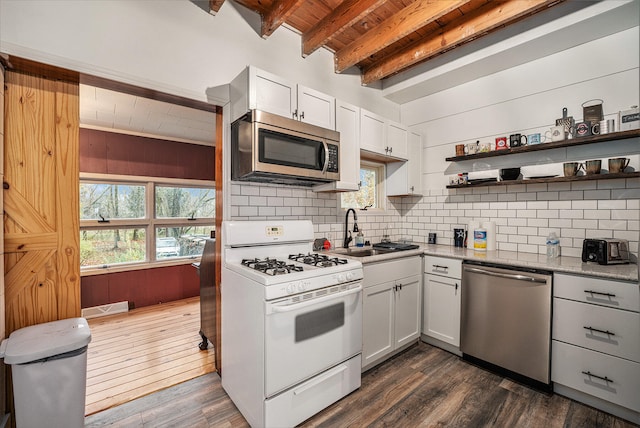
(119, 112)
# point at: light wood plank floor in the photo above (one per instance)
(143, 351)
(424, 386)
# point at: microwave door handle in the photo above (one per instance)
(326, 156)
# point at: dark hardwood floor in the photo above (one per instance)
(424, 386)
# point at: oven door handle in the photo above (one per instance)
(296, 306)
(326, 156)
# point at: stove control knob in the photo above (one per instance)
(301, 286)
(340, 277)
(350, 276)
(291, 288)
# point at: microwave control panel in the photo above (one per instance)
(333, 158)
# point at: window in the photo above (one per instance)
(371, 193)
(138, 222)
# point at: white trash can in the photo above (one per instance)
(49, 370)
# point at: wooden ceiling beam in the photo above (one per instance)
(215, 5)
(344, 16)
(478, 23)
(392, 29)
(277, 15)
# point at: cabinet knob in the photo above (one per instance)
(295, 114)
(302, 116)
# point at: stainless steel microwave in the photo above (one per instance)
(269, 148)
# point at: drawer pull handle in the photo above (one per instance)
(606, 379)
(607, 332)
(599, 293)
(439, 267)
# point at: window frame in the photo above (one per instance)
(380, 189)
(150, 223)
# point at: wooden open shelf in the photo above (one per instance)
(548, 180)
(613, 136)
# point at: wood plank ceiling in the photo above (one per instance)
(386, 37)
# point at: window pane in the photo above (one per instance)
(181, 241)
(110, 246)
(111, 201)
(184, 202)
(367, 196)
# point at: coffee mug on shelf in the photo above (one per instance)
(571, 168)
(534, 139)
(581, 129)
(617, 165)
(501, 143)
(555, 133)
(517, 140)
(592, 166)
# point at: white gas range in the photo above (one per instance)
(291, 322)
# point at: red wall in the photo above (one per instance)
(111, 153)
(140, 287)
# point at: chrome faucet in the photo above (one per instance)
(348, 238)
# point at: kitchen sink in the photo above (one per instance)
(361, 252)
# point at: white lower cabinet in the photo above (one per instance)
(390, 308)
(441, 301)
(595, 354)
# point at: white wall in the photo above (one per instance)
(169, 45)
(525, 99)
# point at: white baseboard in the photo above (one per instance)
(102, 310)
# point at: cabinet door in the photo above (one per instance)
(316, 108)
(407, 310)
(415, 164)
(377, 322)
(397, 140)
(372, 132)
(405, 178)
(441, 314)
(271, 93)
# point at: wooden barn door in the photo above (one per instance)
(41, 197)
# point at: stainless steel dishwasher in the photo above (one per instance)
(506, 320)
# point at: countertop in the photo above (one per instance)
(569, 265)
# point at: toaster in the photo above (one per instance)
(605, 251)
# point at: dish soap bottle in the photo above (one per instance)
(553, 246)
(360, 239)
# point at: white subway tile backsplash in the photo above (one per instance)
(619, 183)
(612, 224)
(571, 214)
(574, 194)
(584, 205)
(597, 214)
(560, 223)
(524, 214)
(597, 194)
(560, 205)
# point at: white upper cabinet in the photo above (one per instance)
(261, 90)
(372, 132)
(348, 125)
(315, 108)
(397, 140)
(405, 178)
(382, 139)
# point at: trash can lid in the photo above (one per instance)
(45, 340)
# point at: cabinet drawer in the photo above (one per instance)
(615, 294)
(377, 273)
(612, 331)
(570, 366)
(443, 266)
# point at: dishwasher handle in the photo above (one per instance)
(516, 276)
